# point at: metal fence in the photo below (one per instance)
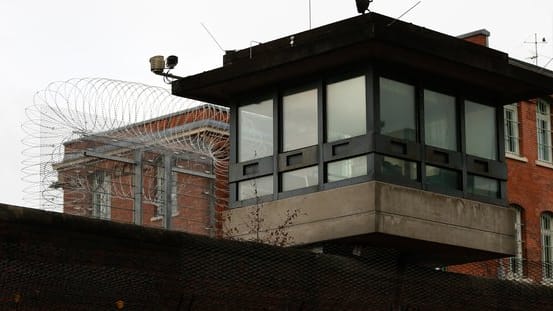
(51, 261)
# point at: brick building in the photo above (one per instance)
(530, 186)
(133, 174)
(527, 128)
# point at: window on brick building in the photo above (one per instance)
(511, 129)
(160, 193)
(516, 263)
(543, 124)
(101, 195)
(547, 245)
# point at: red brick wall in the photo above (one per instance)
(478, 39)
(194, 194)
(530, 185)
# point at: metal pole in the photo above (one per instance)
(211, 197)
(309, 14)
(168, 185)
(138, 187)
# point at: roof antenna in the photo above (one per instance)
(535, 43)
(212, 37)
(309, 14)
(397, 18)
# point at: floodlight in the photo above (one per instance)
(157, 64)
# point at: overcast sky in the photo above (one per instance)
(56, 40)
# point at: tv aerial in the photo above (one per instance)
(535, 43)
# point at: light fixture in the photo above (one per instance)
(158, 65)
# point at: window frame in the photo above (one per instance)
(159, 201)
(547, 250)
(457, 125)
(514, 125)
(101, 197)
(257, 101)
(544, 154)
(373, 144)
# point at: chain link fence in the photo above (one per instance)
(51, 261)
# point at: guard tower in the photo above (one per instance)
(379, 132)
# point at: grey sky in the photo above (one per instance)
(46, 41)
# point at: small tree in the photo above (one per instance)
(254, 222)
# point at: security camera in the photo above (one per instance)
(172, 61)
(157, 64)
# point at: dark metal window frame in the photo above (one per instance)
(456, 160)
(372, 144)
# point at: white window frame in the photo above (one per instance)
(510, 113)
(543, 126)
(547, 245)
(101, 195)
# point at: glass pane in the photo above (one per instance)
(482, 186)
(543, 120)
(511, 128)
(480, 130)
(543, 140)
(348, 168)
(346, 109)
(546, 222)
(255, 188)
(436, 176)
(393, 167)
(299, 112)
(397, 109)
(440, 120)
(255, 131)
(301, 178)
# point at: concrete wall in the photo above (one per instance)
(391, 212)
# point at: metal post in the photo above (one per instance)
(168, 187)
(211, 197)
(138, 187)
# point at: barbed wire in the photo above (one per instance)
(115, 118)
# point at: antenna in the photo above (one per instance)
(309, 14)
(547, 64)
(408, 10)
(535, 43)
(212, 37)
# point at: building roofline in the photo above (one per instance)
(354, 41)
(482, 32)
(160, 118)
